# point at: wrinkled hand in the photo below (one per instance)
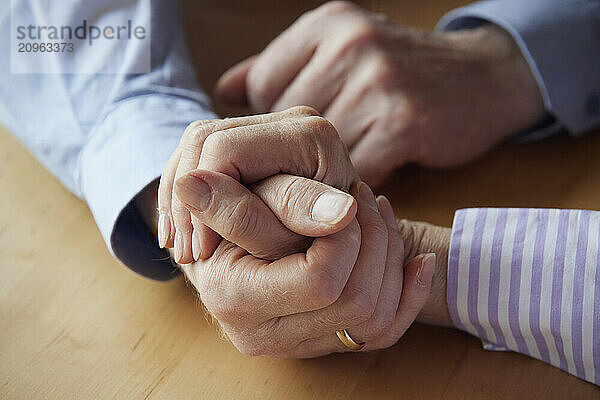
(395, 95)
(423, 238)
(353, 279)
(255, 151)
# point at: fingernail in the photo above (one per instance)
(331, 207)
(196, 245)
(365, 193)
(426, 270)
(193, 191)
(164, 229)
(178, 246)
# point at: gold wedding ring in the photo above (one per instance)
(347, 341)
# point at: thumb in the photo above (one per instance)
(239, 216)
(231, 86)
(306, 206)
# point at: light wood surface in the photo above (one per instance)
(74, 324)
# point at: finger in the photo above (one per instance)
(387, 212)
(279, 63)
(374, 170)
(201, 245)
(305, 206)
(418, 275)
(204, 240)
(231, 86)
(391, 287)
(356, 107)
(165, 228)
(316, 84)
(238, 215)
(358, 300)
(243, 291)
(303, 146)
(387, 303)
(190, 150)
(413, 298)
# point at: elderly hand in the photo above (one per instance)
(250, 149)
(395, 95)
(423, 238)
(353, 279)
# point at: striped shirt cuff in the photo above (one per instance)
(528, 280)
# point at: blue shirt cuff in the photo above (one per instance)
(559, 40)
(127, 151)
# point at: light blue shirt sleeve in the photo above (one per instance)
(560, 39)
(106, 135)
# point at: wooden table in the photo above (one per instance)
(77, 325)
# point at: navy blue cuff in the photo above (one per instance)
(135, 246)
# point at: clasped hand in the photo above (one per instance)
(283, 242)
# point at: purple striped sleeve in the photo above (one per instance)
(528, 280)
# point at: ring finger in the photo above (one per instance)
(418, 274)
(387, 303)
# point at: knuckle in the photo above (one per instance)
(290, 194)
(413, 234)
(244, 220)
(162, 207)
(379, 230)
(196, 136)
(182, 222)
(324, 141)
(378, 326)
(304, 111)
(167, 180)
(184, 227)
(197, 131)
(181, 215)
(359, 306)
(258, 84)
(219, 153)
(307, 19)
(321, 128)
(382, 73)
(193, 126)
(364, 35)
(375, 230)
(324, 289)
(336, 7)
(215, 144)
